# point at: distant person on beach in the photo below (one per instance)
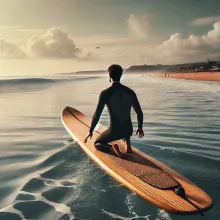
(119, 99)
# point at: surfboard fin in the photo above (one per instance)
(180, 191)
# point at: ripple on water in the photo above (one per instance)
(47, 171)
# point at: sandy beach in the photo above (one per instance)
(206, 76)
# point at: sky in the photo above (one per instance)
(40, 37)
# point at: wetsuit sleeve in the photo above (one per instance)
(137, 108)
(98, 112)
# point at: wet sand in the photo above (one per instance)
(207, 76)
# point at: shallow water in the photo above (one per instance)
(45, 175)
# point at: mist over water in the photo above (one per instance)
(45, 175)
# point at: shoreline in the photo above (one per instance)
(204, 76)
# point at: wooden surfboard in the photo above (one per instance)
(140, 173)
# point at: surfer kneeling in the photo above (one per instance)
(119, 99)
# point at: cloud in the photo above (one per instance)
(54, 43)
(9, 50)
(205, 21)
(176, 49)
(187, 49)
(138, 25)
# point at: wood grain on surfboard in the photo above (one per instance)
(77, 124)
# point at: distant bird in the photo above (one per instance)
(97, 47)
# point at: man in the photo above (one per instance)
(119, 100)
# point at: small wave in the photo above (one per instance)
(24, 84)
(29, 84)
(34, 81)
(24, 81)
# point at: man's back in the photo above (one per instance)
(119, 100)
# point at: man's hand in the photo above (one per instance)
(140, 132)
(90, 135)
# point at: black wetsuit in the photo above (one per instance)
(119, 100)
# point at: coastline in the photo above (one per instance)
(204, 76)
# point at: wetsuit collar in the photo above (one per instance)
(116, 83)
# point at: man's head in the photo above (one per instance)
(115, 72)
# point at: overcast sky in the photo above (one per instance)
(51, 36)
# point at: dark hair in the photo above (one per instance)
(115, 72)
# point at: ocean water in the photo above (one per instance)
(45, 175)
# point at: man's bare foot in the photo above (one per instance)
(116, 150)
